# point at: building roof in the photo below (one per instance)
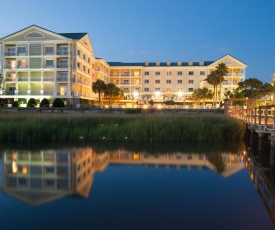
(74, 36)
(206, 63)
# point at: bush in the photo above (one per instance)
(45, 103)
(171, 102)
(3, 102)
(32, 102)
(151, 102)
(58, 103)
(135, 110)
(16, 104)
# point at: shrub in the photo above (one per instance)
(32, 102)
(171, 102)
(58, 103)
(151, 102)
(45, 103)
(16, 104)
(3, 102)
(134, 110)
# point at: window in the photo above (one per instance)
(202, 72)
(126, 82)
(168, 63)
(191, 72)
(50, 170)
(84, 68)
(49, 50)
(157, 73)
(157, 89)
(190, 81)
(157, 63)
(168, 73)
(89, 60)
(63, 50)
(126, 90)
(168, 81)
(11, 51)
(146, 73)
(22, 63)
(21, 51)
(84, 57)
(49, 63)
(179, 63)
(190, 89)
(190, 63)
(78, 52)
(168, 89)
(179, 72)
(146, 89)
(88, 71)
(157, 81)
(50, 182)
(146, 81)
(179, 81)
(78, 65)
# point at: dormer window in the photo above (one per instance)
(146, 63)
(201, 63)
(190, 63)
(179, 63)
(157, 63)
(168, 63)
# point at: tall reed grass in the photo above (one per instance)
(32, 127)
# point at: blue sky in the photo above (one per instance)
(141, 30)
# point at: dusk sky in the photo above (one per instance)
(151, 30)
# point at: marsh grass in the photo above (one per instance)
(34, 127)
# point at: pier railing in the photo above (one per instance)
(260, 115)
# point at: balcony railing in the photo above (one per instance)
(36, 78)
(22, 79)
(62, 65)
(48, 53)
(48, 78)
(22, 66)
(10, 53)
(62, 78)
(62, 52)
(10, 67)
(10, 79)
(49, 66)
(235, 74)
(47, 92)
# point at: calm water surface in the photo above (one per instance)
(134, 187)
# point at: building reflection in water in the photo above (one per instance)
(262, 175)
(44, 176)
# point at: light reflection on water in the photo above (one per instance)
(43, 178)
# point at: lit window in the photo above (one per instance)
(168, 89)
(168, 73)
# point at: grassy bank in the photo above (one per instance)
(32, 127)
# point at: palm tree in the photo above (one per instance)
(98, 87)
(221, 71)
(203, 94)
(213, 79)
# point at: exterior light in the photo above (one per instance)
(135, 93)
(180, 94)
(145, 106)
(14, 167)
(244, 152)
(159, 106)
(157, 93)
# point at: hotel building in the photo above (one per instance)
(38, 63)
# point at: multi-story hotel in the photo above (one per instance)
(38, 63)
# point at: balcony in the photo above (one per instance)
(48, 66)
(235, 75)
(50, 78)
(35, 78)
(62, 52)
(22, 66)
(63, 78)
(10, 79)
(10, 53)
(230, 83)
(10, 67)
(49, 53)
(62, 65)
(22, 79)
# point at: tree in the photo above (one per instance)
(45, 103)
(221, 71)
(58, 103)
(212, 79)
(266, 90)
(16, 104)
(251, 88)
(112, 91)
(203, 94)
(32, 102)
(98, 87)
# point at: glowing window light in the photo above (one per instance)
(14, 167)
(24, 169)
(136, 156)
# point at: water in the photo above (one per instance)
(177, 186)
